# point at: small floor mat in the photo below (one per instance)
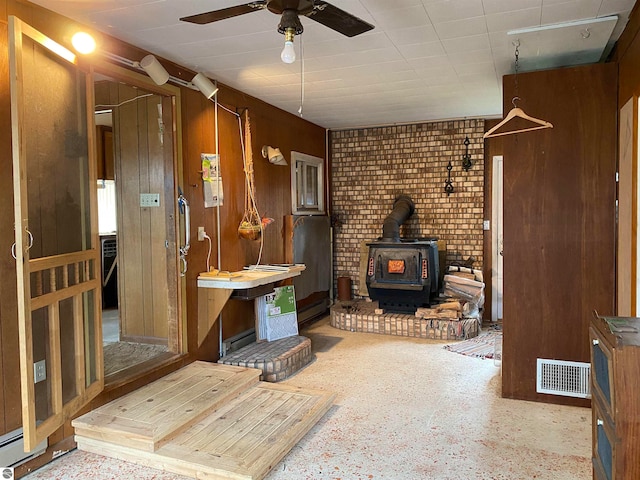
(488, 344)
(121, 355)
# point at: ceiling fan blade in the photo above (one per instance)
(215, 15)
(338, 20)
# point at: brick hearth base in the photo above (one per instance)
(278, 359)
(360, 316)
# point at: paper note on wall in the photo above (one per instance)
(212, 180)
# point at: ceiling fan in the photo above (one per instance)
(290, 10)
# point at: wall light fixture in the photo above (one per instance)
(205, 85)
(83, 43)
(274, 155)
(154, 69)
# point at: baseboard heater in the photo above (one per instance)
(238, 341)
(565, 378)
(313, 311)
(12, 451)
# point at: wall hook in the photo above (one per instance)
(466, 158)
(448, 184)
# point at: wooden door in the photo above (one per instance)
(58, 268)
(559, 221)
(147, 254)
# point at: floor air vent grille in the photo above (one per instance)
(560, 377)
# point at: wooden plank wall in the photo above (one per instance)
(270, 126)
(559, 221)
(627, 54)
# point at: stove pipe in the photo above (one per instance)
(403, 208)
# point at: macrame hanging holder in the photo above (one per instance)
(251, 226)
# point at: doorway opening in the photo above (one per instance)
(137, 228)
(497, 240)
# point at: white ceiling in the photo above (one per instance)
(424, 60)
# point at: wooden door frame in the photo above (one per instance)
(177, 322)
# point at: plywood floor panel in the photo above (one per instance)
(267, 428)
(152, 415)
(242, 439)
(233, 424)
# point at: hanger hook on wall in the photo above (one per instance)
(514, 100)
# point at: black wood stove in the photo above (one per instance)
(402, 274)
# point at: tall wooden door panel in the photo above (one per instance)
(57, 266)
(559, 221)
(10, 412)
(144, 165)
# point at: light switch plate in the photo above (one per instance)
(486, 225)
(149, 199)
(39, 371)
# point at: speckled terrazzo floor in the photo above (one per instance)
(405, 409)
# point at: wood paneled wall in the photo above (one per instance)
(270, 126)
(627, 54)
(559, 221)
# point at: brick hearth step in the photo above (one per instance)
(277, 359)
(361, 316)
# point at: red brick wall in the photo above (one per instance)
(372, 166)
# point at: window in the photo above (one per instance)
(107, 206)
(307, 184)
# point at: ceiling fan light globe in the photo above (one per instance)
(288, 54)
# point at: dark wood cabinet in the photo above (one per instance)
(615, 378)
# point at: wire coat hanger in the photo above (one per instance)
(513, 113)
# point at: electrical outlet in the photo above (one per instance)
(201, 234)
(486, 225)
(39, 371)
(149, 199)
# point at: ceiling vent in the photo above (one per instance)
(560, 377)
(563, 44)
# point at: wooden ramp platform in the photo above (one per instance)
(208, 421)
